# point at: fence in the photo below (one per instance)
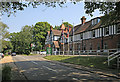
(86, 52)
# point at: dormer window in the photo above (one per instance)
(95, 21)
(98, 20)
(92, 22)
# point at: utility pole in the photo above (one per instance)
(68, 39)
(73, 38)
(63, 38)
(0, 32)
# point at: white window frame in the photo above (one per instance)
(106, 31)
(96, 33)
(100, 32)
(114, 29)
(117, 28)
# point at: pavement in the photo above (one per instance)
(16, 75)
(38, 68)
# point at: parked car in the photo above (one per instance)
(13, 54)
(2, 55)
(43, 53)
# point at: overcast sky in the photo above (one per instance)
(69, 13)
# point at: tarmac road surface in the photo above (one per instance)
(37, 68)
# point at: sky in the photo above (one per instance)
(71, 13)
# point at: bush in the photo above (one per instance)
(6, 73)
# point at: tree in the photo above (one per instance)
(57, 27)
(4, 30)
(6, 45)
(13, 7)
(66, 24)
(21, 41)
(104, 7)
(111, 10)
(39, 34)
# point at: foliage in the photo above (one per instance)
(39, 34)
(57, 27)
(90, 7)
(21, 41)
(6, 45)
(13, 7)
(111, 10)
(6, 73)
(3, 29)
(66, 24)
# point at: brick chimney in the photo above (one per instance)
(83, 19)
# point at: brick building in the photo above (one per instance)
(93, 35)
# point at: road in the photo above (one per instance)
(36, 68)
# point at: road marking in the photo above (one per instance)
(50, 69)
(34, 62)
(29, 60)
(74, 78)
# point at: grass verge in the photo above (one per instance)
(6, 73)
(88, 61)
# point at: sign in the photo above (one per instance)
(49, 50)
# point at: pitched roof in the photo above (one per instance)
(48, 33)
(85, 27)
(63, 26)
(56, 32)
(56, 44)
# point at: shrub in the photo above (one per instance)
(6, 73)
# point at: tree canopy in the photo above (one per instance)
(111, 10)
(21, 41)
(39, 34)
(104, 7)
(6, 45)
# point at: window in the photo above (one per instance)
(98, 20)
(81, 36)
(93, 33)
(71, 38)
(92, 22)
(110, 30)
(105, 46)
(78, 46)
(98, 47)
(90, 46)
(118, 28)
(70, 47)
(106, 31)
(84, 47)
(118, 45)
(98, 32)
(115, 29)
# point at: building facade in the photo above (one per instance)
(93, 35)
(87, 36)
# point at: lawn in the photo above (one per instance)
(91, 61)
